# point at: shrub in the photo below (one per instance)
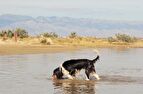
(122, 38)
(21, 33)
(46, 41)
(125, 38)
(43, 41)
(1, 35)
(51, 35)
(10, 34)
(111, 39)
(73, 35)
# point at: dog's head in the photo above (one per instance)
(57, 74)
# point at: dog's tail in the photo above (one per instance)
(97, 58)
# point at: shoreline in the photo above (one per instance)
(33, 49)
(33, 45)
(40, 49)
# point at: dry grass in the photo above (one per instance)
(33, 44)
(94, 42)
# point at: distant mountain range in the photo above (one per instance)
(65, 25)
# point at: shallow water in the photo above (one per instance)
(121, 71)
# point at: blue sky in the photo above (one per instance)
(98, 9)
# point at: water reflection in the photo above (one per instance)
(74, 87)
(26, 74)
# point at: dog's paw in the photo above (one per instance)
(98, 78)
(87, 79)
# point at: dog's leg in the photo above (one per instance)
(73, 73)
(77, 72)
(69, 76)
(96, 76)
(87, 74)
(66, 73)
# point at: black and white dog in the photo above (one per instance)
(71, 67)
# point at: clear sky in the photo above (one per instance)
(98, 9)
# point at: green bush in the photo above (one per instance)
(10, 34)
(125, 38)
(122, 38)
(21, 33)
(50, 35)
(73, 35)
(2, 33)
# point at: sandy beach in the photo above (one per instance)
(33, 45)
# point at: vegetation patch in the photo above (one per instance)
(20, 33)
(50, 35)
(49, 38)
(122, 38)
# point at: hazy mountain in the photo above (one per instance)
(64, 25)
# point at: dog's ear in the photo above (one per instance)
(58, 73)
(94, 60)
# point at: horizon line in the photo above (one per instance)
(116, 20)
